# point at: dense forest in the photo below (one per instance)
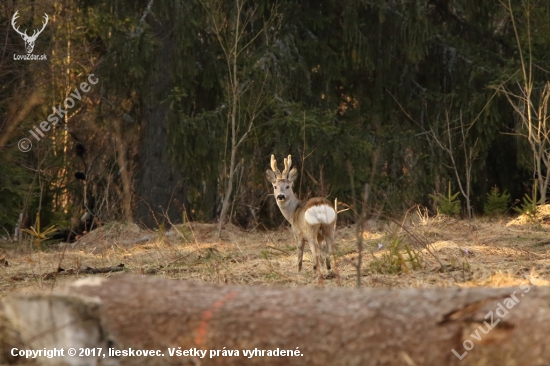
(157, 111)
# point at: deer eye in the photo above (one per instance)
(286, 187)
(275, 187)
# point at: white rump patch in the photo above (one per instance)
(321, 214)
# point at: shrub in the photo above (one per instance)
(497, 202)
(447, 205)
(398, 258)
(529, 206)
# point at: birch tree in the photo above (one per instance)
(529, 100)
(234, 27)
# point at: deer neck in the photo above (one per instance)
(288, 208)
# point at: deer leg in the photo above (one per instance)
(329, 243)
(326, 253)
(300, 247)
(314, 246)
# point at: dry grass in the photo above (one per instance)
(480, 253)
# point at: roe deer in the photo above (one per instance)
(312, 221)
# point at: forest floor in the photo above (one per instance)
(442, 252)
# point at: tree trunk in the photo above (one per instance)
(160, 188)
(326, 327)
(125, 174)
(228, 192)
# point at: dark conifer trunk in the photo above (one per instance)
(161, 190)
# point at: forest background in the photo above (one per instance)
(418, 100)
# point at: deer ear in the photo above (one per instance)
(270, 174)
(292, 175)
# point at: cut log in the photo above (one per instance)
(479, 326)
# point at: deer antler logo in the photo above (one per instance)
(29, 40)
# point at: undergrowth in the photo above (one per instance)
(399, 257)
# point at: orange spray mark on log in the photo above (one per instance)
(207, 315)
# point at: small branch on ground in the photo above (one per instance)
(83, 270)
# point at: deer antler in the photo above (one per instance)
(35, 33)
(274, 167)
(288, 163)
(43, 25)
(13, 19)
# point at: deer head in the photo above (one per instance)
(29, 40)
(282, 182)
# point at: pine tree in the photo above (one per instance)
(497, 202)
